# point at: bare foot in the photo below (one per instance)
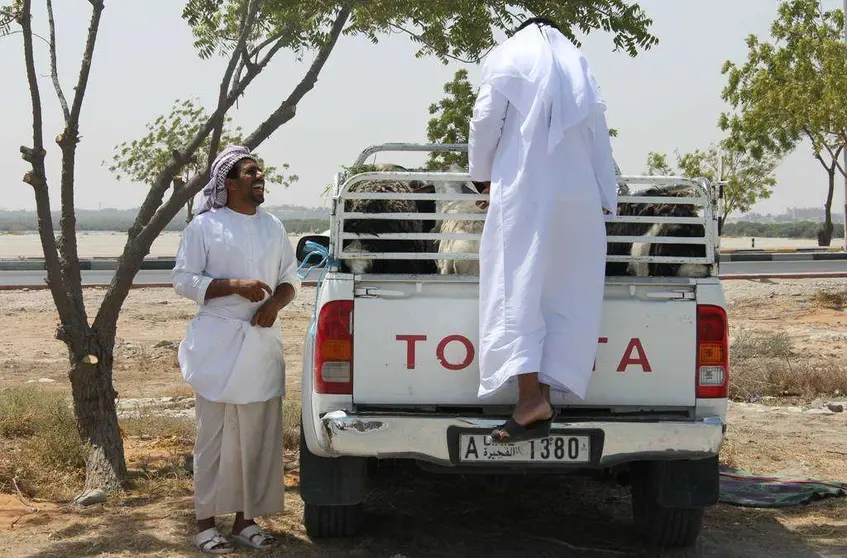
(241, 523)
(530, 411)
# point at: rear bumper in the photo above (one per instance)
(435, 439)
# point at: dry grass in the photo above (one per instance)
(752, 378)
(43, 455)
(149, 422)
(291, 410)
(748, 345)
(763, 365)
(162, 468)
(730, 452)
(833, 300)
(181, 390)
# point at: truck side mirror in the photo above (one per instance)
(307, 246)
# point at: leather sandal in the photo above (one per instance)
(249, 535)
(211, 541)
(515, 432)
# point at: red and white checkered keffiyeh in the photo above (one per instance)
(214, 193)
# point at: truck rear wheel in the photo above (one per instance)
(658, 523)
(333, 521)
(332, 489)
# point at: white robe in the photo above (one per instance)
(238, 459)
(539, 135)
(223, 357)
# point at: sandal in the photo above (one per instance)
(248, 534)
(515, 432)
(211, 541)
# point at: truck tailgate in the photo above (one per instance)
(415, 344)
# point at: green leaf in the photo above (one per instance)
(441, 28)
(451, 123)
(141, 160)
(792, 87)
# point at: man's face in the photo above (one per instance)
(250, 184)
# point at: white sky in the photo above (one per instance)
(666, 98)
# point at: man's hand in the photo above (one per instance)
(246, 288)
(487, 188)
(251, 289)
(266, 315)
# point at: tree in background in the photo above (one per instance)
(451, 123)
(746, 178)
(657, 165)
(141, 159)
(791, 88)
(248, 34)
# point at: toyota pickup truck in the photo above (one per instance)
(390, 371)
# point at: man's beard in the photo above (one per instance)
(257, 196)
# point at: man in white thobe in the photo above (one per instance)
(236, 262)
(540, 144)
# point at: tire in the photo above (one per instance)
(332, 490)
(333, 521)
(661, 526)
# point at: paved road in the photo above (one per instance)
(144, 277)
(147, 277)
(776, 267)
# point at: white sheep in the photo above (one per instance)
(463, 226)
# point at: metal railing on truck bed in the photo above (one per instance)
(653, 217)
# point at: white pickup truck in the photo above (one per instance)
(390, 372)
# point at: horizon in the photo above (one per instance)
(664, 99)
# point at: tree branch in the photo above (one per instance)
(85, 69)
(288, 107)
(38, 176)
(816, 149)
(446, 55)
(247, 21)
(153, 201)
(153, 216)
(253, 54)
(835, 156)
(281, 115)
(54, 70)
(36, 35)
(68, 141)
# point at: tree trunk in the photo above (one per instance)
(825, 234)
(94, 405)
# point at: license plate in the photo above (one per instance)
(557, 448)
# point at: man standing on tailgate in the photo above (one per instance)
(539, 140)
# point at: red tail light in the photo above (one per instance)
(334, 348)
(712, 353)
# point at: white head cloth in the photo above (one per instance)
(214, 193)
(545, 77)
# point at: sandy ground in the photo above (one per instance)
(110, 244)
(416, 515)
